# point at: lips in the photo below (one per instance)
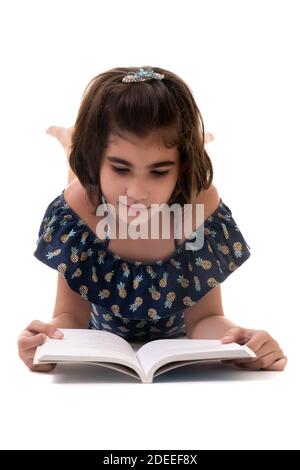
(137, 207)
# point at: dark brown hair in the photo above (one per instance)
(167, 105)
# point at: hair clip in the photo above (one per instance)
(141, 75)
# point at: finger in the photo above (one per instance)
(233, 335)
(28, 360)
(267, 348)
(258, 340)
(278, 365)
(30, 342)
(38, 326)
(26, 333)
(262, 362)
(42, 367)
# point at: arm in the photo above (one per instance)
(71, 310)
(206, 319)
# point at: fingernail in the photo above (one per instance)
(57, 334)
(227, 338)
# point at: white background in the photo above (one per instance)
(240, 60)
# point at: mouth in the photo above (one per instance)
(136, 207)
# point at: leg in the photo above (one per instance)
(63, 135)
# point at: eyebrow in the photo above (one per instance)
(114, 159)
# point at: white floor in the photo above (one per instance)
(196, 407)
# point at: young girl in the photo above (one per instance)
(139, 134)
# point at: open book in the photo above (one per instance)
(144, 361)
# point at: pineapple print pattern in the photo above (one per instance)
(61, 268)
(136, 281)
(77, 273)
(94, 274)
(164, 280)
(74, 254)
(138, 300)
(138, 330)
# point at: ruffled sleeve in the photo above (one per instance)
(62, 240)
(224, 250)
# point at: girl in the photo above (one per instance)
(139, 134)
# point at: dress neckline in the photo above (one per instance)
(104, 243)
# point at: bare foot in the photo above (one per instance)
(62, 134)
(208, 137)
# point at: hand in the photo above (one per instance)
(34, 335)
(269, 354)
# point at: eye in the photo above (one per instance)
(120, 170)
(125, 170)
(160, 173)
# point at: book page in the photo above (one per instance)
(155, 354)
(119, 368)
(84, 345)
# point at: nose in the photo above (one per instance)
(137, 192)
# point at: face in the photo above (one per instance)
(143, 170)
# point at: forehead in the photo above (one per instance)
(155, 140)
(141, 152)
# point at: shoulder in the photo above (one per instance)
(211, 200)
(76, 197)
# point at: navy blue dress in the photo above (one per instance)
(137, 300)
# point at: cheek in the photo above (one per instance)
(107, 184)
(169, 183)
(108, 179)
(162, 189)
